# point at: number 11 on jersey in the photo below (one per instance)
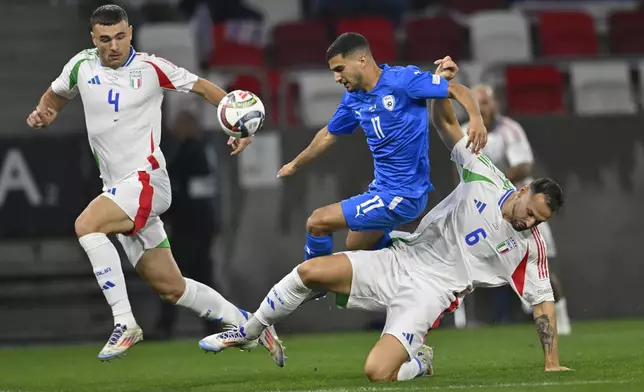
(113, 99)
(377, 128)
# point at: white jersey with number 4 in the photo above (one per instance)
(465, 241)
(122, 108)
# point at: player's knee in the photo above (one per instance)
(84, 225)
(170, 293)
(317, 223)
(309, 272)
(376, 371)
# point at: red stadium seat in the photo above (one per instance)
(472, 6)
(626, 30)
(567, 33)
(300, 43)
(229, 52)
(429, 39)
(378, 31)
(534, 89)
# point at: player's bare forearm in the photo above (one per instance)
(519, 172)
(445, 121)
(321, 142)
(51, 100)
(208, 91)
(546, 323)
(465, 97)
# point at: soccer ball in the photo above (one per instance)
(241, 113)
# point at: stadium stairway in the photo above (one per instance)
(43, 39)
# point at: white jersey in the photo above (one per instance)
(507, 146)
(122, 108)
(465, 241)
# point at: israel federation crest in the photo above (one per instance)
(136, 79)
(388, 101)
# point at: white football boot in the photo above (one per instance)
(235, 337)
(425, 356)
(120, 341)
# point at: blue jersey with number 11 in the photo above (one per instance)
(394, 118)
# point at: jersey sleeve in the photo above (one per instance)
(172, 77)
(462, 156)
(423, 85)
(343, 121)
(66, 84)
(518, 150)
(535, 287)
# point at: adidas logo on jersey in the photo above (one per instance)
(94, 80)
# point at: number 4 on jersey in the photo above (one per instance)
(113, 99)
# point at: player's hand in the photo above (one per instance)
(238, 145)
(558, 369)
(477, 136)
(287, 170)
(447, 68)
(40, 119)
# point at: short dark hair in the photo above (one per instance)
(551, 191)
(108, 15)
(346, 44)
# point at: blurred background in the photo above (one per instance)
(571, 72)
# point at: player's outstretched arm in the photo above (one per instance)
(546, 323)
(446, 123)
(321, 142)
(477, 131)
(47, 110)
(208, 91)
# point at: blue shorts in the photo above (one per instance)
(381, 210)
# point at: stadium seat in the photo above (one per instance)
(602, 88)
(534, 89)
(626, 29)
(428, 39)
(232, 50)
(499, 36)
(300, 43)
(379, 32)
(470, 6)
(319, 96)
(567, 33)
(276, 12)
(174, 41)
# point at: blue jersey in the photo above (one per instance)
(394, 118)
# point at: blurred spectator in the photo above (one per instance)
(193, 216)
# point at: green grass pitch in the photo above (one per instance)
(606, 356)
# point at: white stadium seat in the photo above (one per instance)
(602, 88)
(319, 96)
(499, 36)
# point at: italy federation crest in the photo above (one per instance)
(136, 79)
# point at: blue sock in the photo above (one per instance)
(384, 242)
(317, 246)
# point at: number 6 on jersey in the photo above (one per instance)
(113, 99)
(474, 237)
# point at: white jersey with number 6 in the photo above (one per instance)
(465, 239)
(122, 108)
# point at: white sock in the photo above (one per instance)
(109, 274)
(411, 369)
(281, 301)
(210, 305)
(561, 308)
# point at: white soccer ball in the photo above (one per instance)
(241, 113)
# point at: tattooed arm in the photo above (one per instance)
(546, 323)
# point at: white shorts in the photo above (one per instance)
(143, 196)
(414, 304)
(546, 233)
